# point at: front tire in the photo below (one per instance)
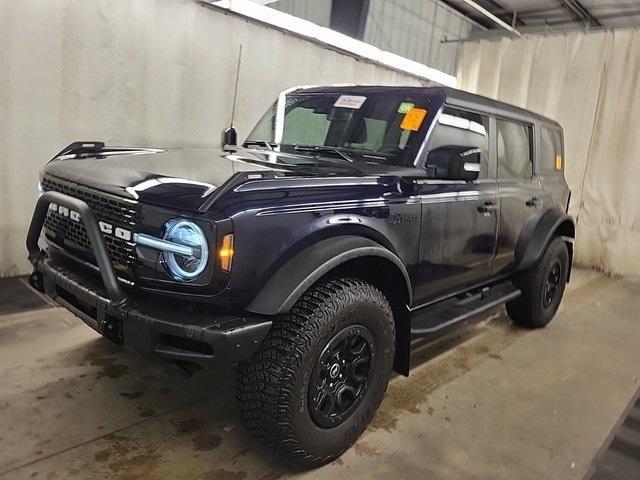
(542, 287)
(321, 373)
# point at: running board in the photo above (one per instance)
(432, 319)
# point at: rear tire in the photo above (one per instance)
(321, 373)
(542, 287)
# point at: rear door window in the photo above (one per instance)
(514, 150)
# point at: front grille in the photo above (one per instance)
(107, 208)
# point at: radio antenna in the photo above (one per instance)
(230, 135)
(235, 91)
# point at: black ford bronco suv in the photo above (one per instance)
(351, 221)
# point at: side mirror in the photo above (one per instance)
(453, 162)
(230, 137)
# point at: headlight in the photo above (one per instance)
(190, 263)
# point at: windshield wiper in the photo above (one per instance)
(323, 149)
(260, 143)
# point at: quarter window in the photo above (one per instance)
(514, 150)
(551, 154)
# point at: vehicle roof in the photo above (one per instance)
(452, 95)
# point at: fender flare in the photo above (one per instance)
(290, 281)
(537, 235)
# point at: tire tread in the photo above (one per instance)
(266, 383)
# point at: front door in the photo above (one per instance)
(459, 216)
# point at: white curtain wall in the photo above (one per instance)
(590, 83)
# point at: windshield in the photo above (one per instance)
(373, 127)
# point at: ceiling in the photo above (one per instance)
(554, 15)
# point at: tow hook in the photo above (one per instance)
(111, 328)
(36, 281)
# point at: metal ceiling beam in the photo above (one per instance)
(490, 5)
(546, 29)
(600, 7)
(491, 17)
(561, 17)
(526, 11)
(498, 10)
(624, 14)
(580, 12)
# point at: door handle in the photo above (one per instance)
(532, 202)
(488, 206)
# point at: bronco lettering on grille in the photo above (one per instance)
(105, 227)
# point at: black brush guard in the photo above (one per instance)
(144, 324)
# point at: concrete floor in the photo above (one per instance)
(492, 402)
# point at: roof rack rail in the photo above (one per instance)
(80, 147)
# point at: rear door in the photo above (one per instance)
(459, 218)
(520, 191)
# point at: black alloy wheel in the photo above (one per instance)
(341, 376)
(552, 282)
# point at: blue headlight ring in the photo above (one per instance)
(201, 247)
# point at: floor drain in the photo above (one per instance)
(619, 458)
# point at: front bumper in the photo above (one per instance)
(144, 323)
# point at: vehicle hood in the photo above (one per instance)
(175, 178)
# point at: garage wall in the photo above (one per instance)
(316, 11)
(590, 83)
(411, 28)
(135, 72)
(415, 29)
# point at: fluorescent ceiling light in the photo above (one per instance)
(310, 30)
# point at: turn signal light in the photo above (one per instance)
(558, 162)
(226, 252)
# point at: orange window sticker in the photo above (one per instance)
(413, 119)
(558, 162)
